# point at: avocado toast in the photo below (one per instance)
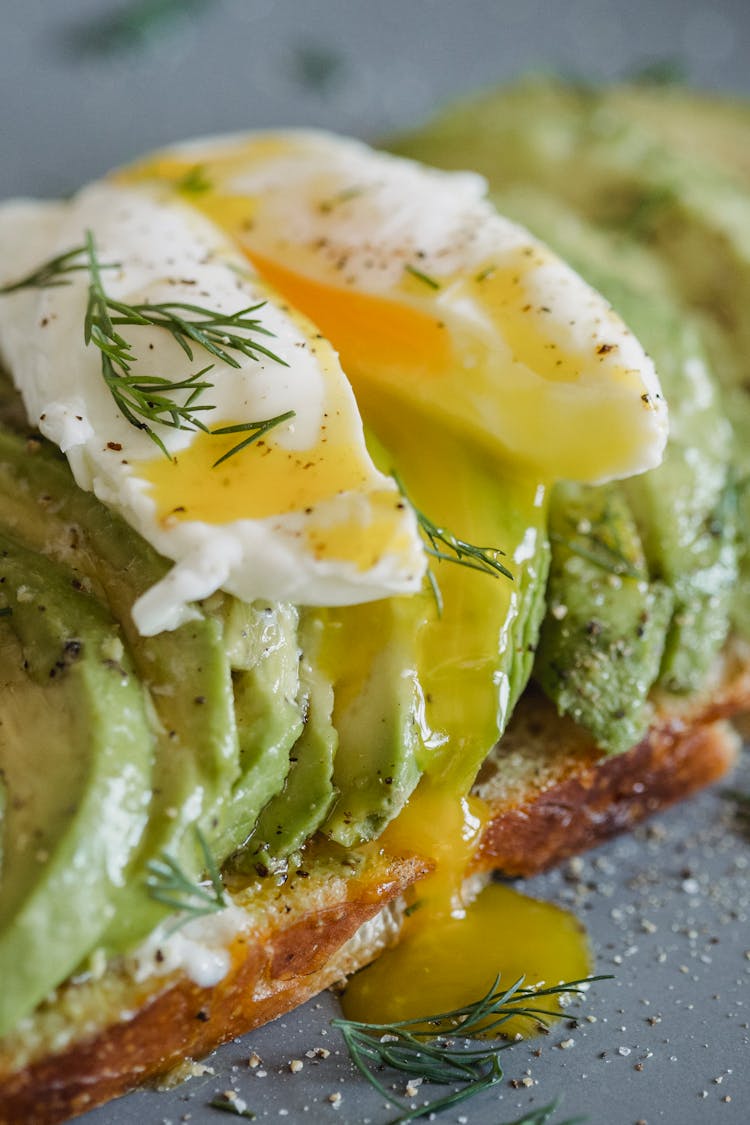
(636, 599)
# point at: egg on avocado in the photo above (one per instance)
(207, 336)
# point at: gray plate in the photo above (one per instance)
(667, 909)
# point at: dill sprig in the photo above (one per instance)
(601, 555)
(444, 546)
(146, 400)
(169, 885)
(51, 274)
(194, 181)
(254, 430)
(542, 1115)
(426, 1049)
(132, 24)
(421, 276)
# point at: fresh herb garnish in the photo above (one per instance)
(424, 277)
(146, 400)
(168, 884)
(51, 274)
(343, 196)
(602, 555)
(443, 545)
(194, 181)
(485, 273)
(134, 24)
(317, 67)
(542, 1115)
(254, 430)
(426, 1048)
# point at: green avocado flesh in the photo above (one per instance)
(72, 820)
(253, 729)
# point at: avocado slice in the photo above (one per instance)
(268, 709)
(74, 819)
(298, 810)
(186, 672)
(601, 644)
(370, 653)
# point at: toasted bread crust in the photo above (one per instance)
(601, 799)
(273, 971)
(574, 803)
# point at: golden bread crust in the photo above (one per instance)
(273, 971)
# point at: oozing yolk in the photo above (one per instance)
(272, 481)
(369, 332)
(268, 479)
(451, 953)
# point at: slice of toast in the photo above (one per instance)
(551, 796)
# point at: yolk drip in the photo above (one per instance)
(450, 953)
(444, 963)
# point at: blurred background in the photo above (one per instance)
(85, 84)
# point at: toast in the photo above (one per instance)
(551, 796)
(550, 793)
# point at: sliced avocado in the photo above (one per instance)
(74, 818)
(370, 653)
(601, 643)
(268, 712)
(296, 813)
(186, 672)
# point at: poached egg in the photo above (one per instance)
(363, 270)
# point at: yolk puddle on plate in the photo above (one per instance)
(450, 954)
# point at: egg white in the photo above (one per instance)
(165, 251)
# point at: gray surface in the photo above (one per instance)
(667, 910)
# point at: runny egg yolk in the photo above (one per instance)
(451, 953)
